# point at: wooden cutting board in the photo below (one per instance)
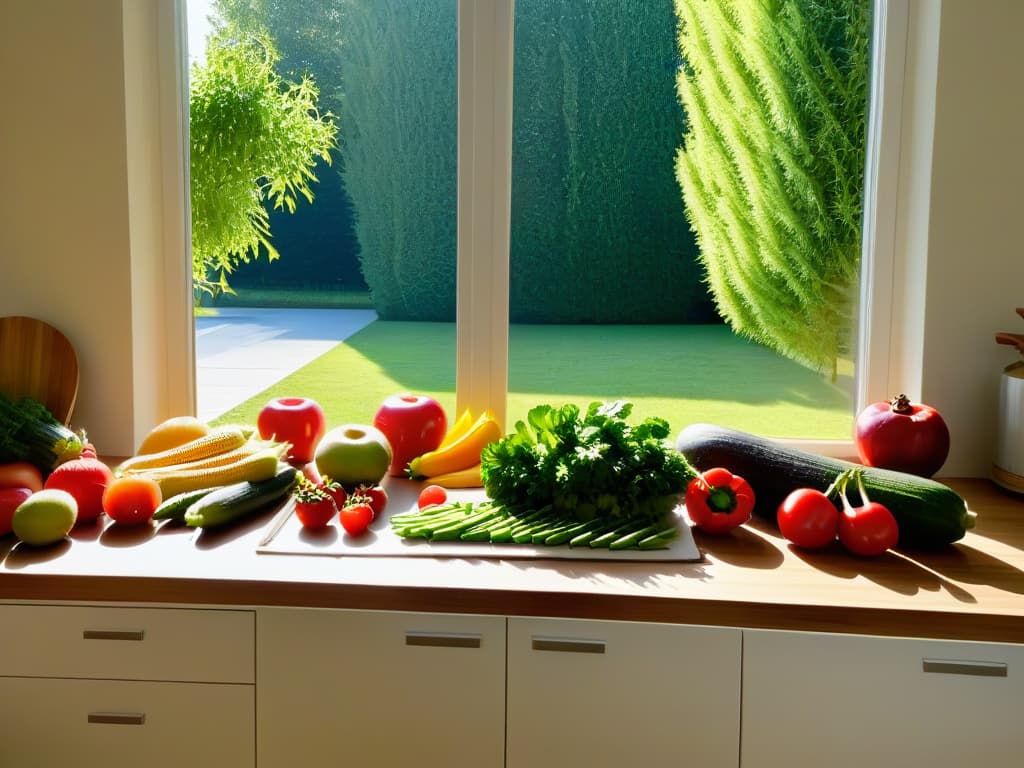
(38, 361)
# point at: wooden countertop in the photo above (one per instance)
(972, 590)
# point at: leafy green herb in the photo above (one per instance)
(598, 466)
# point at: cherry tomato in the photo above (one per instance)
(431, 495)
(377, 496)
(315, 513)
(356, 518)
(903, 436)
(131, 500)
(808, 518)
(868, 530)
(718, 501)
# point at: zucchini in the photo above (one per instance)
(227, 504)
(173, 508)
(929, 514)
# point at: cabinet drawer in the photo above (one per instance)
(600, 693)
(380, 689)
(849, 701)
(128, 643)
(103, 723)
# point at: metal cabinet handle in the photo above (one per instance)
(117, 718)
(443, 639)
(564, 645)
(959, 667)
(112, 634)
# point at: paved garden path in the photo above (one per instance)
(242, 351)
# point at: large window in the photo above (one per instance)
(571, 217)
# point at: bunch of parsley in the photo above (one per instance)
(595, 467)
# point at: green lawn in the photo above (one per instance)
(682, 373)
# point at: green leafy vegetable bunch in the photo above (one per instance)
(597, 466)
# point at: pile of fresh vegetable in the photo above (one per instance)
(565, 478)
(29, 432)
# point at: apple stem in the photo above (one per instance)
(901, 404)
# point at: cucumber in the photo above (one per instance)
(174, 508)
(231, 502)
(929, 514)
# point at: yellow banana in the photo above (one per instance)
(460, 478)
(458, 429)
(462, 453)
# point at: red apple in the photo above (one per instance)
(413, 424)
(902, 436)
(298, 421)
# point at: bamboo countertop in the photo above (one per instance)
(972, 590)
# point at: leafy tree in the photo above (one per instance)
(254, 138)
(772, 163)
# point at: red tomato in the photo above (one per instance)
(903, 436)
(718, 501)
(315, 513)
(85, 479)
(20, 474)
(431, 495)
(298, 421)
(10, 500)
(131, 500)
(868, 530)
(356, 518)
(808, 518)
(377, 496)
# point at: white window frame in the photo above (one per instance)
(899, 141)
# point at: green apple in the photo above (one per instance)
(353, 454)
(45, 517)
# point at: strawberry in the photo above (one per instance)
(334, 490)
(314, 507)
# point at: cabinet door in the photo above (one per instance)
(613, 694)
(48, 722)
(388, 689)
(840, 700)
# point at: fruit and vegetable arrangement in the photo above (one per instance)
(562, 477)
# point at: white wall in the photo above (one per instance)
(74, 251)
(975, 276)
(82, 234)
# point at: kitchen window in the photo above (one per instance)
(485, 167)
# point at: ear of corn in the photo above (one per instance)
(216, 442)
(259, 466)
(248, 448)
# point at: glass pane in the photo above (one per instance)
(361, 303)
(687, 184)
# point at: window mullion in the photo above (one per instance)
(484, 202)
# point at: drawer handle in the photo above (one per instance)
(976, 668)
(117, 718)
(567, 646)
(442, 639)
(112, 634)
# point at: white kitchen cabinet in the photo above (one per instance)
(382, 689)
(598, 693)
(50, 722)
(104, 687)
(850, 701)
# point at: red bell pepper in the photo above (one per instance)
(718, 501)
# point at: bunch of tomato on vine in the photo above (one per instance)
(718, 501)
